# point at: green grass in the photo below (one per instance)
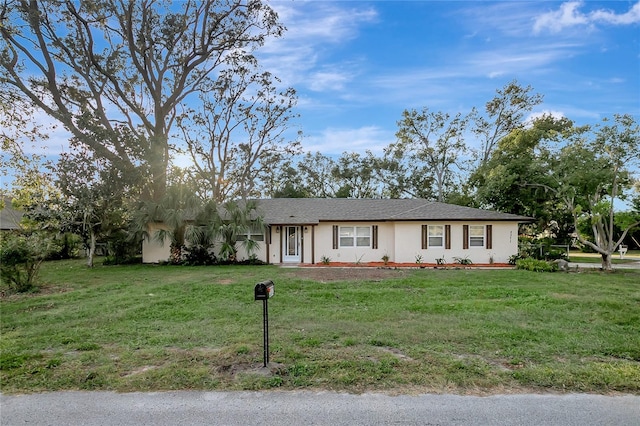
(142, 328)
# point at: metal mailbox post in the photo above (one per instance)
(264, 291)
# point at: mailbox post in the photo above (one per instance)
(264, 291)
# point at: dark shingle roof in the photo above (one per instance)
(9, 217)
(280, 211)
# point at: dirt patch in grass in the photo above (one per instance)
(329, 274)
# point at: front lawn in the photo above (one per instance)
(143, 328)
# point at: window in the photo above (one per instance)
(436, 236)
(254, 234)
(476, 235)
(355, 236)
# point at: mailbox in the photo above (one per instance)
(264, 290)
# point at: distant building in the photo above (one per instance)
(9, 217)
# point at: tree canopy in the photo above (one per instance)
(114, 72)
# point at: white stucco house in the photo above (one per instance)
(308, 230)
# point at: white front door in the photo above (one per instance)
(291, 244)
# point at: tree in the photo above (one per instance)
(93, 200)
(430, 148)
(239, 132)
(505, 179)
(315, 175)
(504, 113)
(590, 173)
(356, 176)
(113, 72)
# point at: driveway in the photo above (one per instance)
(313, 408)
(597, 266)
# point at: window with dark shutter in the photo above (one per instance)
(489, 237)
(335, 236)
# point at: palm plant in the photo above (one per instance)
(236, 223)
(176, 209)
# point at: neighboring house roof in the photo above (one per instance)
(309, 211)
(9, 217)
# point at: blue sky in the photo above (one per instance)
(358, 64)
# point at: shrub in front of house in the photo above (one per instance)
(123, 249)
(20, 259)
(555, 254)
(535, 265)
(199, 255)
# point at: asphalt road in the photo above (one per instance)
(313, 408)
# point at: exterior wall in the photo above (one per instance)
(505, 241)
(152, 250)
(401, 241)
(307, 233)
(274, 246)
(260, 253)
(409, 243)
(324, 244)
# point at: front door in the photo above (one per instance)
(291, 244)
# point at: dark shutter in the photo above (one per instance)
(447, 237)
(335, 236)
(425, 237)
(489, 237)
(465, 236)
(374, 237)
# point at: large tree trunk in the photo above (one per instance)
(606, 262)
(92, 248)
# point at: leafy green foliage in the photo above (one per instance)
(431, 148)
(512, 179)
(65, 245)
(536, 265)
(503, 114)
(463, 260)
(93, 201)
(20, 259)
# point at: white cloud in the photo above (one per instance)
(322, 22)
(570, 15)
(332, 141)
(313, 30)
(540, 114)
(517, 59)
(628, 18)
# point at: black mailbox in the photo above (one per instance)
(264, 290)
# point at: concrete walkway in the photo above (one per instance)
(314, 408)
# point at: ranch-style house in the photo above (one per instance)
(309, 230)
